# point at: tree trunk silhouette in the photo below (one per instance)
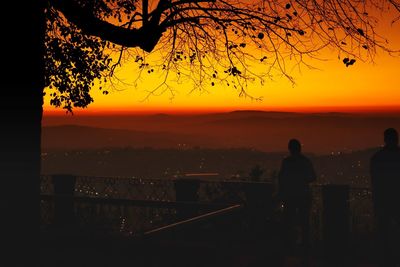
(21, 109)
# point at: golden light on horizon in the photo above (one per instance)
(331, 86)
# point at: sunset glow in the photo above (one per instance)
(366, 86)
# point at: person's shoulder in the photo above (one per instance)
(289, 160)
(384, 154)
(378, 154)
(305, 158)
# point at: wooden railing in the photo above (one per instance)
(340, 215)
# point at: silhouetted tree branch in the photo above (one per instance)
(83, 16)
(216, 41)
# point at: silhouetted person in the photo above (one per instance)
(294, 177)
(385, 178)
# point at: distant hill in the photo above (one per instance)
(84, 137)
(267, 131)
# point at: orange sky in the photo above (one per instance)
(332, 88)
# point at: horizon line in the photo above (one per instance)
(203, 111)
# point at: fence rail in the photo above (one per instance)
(131, 206)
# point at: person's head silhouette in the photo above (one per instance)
(391, 137)
(294, 147)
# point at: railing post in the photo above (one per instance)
(64, 188)
(186, 190)
(335, 222)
